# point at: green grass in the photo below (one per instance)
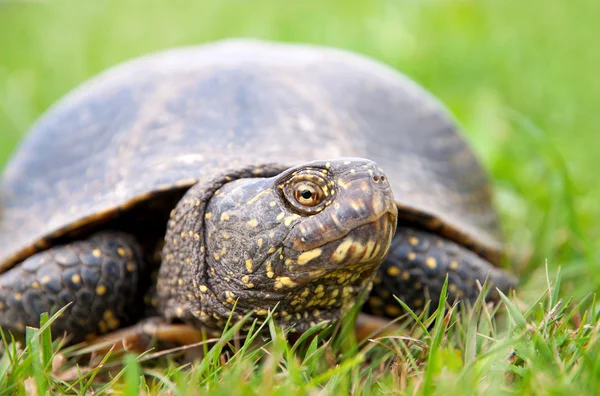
(520, 76)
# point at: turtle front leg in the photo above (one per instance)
(99, 277)
(415, 270)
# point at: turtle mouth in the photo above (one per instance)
(383, 226)
(366, 243)
(351, 258)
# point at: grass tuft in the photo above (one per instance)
(475, 349)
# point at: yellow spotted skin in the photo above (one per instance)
(415, 270)
(92, 275)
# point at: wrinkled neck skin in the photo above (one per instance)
(182, 289)
(249, 259)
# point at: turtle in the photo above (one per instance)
(242, 177)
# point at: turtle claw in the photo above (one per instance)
(148, 334)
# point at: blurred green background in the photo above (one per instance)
(520, 76)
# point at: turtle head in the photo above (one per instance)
(306, 241)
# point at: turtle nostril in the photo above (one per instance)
(382, 178)
(375, 178)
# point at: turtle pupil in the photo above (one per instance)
(306, 194)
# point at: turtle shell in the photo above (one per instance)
(171, 119)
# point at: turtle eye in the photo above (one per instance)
(305, 194)
(308, 193)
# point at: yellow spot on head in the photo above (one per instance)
(96, 252)
(413, 241)
(271, 249)
(308, 256)
(377, 203)
(45, 279)
(453, 265)
(257, 196)
(18, 296)
(253, 223)
(327, 165)
(35, 285)
(216, 256)
(272, 203)
(411, 256)
(108, 314)
(336, 220)
(452, 288)
(272, 234)
(431, 262)
(343, 185)
(269, 268)
(259, 242)
(342, 250)
(288, 220)
(76, 279)
(180, 282)
(121, 252)
(282, 281)
(405, 275)
(130, 266)
(207, 215)
(357, 205)
(203, 288)
(280, 216)
(224, 216)
(249, 265)
(100, 290)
